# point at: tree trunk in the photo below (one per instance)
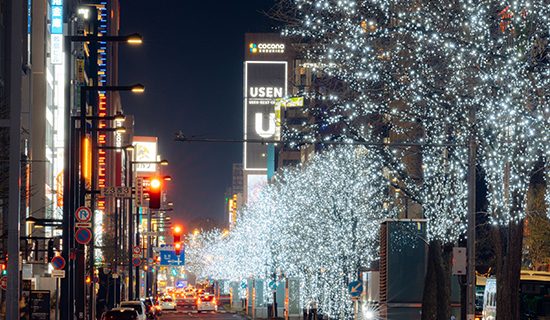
(508, 248)
(437, 292)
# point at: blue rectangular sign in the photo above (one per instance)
(169, 258)
(57, 17)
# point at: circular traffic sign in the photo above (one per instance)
(4, 282)
(83, 214)
(83, 235)
(136, 262)
(58, 262)
(137, 250)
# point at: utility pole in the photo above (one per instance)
(14, 90)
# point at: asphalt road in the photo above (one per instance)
(193, 315)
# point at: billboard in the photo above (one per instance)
(264, 83)
(145, 149)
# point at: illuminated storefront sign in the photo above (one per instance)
(56, 30)
(265, 82)
(255, 48)
(57, 17)
(146, 151)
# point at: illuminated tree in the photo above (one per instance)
(318, 223)
(434, 73)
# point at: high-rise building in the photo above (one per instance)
(267, 66)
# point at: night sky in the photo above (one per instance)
(191, 64)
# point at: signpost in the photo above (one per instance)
(136, 261)
(83, 214)
(58, 273)
(168, 257)
(273, 285)
(136, 250)
(355, 289)
(58, 262)
(83, 235)
(117, 191)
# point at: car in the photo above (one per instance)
(138, 306)
(120, 314)
(150, 308)
(167, 303)
(207, 302)
(186, 299)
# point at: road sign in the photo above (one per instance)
(117, 191)
(83, 225)
(136, 250)
(83, 214)
(83, 235)
(58, 262)
(58, 273)
(4, 282)
(136, 262)
(181, 284)
(355, 289)
(273, 285)
(168, 257)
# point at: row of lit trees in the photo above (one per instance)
(440, 73)
(318, 223)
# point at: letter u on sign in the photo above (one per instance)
(259, 122)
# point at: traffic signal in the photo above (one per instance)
(177, 248)
(51, 252)
(176, 233)
(154, 194)
(4, 269)
(88, 279)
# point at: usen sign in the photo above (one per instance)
(265, 83)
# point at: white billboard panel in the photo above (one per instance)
(146, 149)
(264, 83)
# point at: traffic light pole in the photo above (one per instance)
(138, 275)
(149, 255)
(14, 101)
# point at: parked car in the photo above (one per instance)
(207, 302)
(138, 306)
(167, 303)
(120, 314)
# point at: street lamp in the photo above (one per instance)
(69, 297)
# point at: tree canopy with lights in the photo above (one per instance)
(437, 73)
(318, 223)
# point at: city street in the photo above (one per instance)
(342, 159)
(173, 315)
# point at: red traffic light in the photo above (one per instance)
(176, 233)
(154, 193)
(177, 248)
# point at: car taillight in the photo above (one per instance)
(198, 301)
